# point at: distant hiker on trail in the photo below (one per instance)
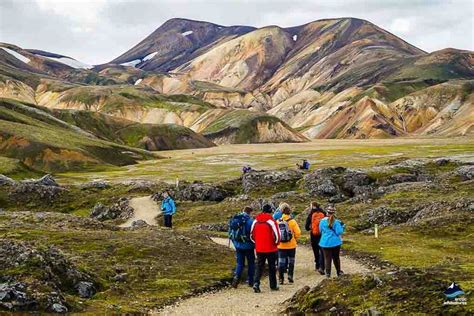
(240, 226)
(246, 169)
(331, 241)
(289, 233)
(266, 236)
(168, 208)
(304, 165)
(316, 214)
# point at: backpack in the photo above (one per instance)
(285, 232)
(315, 220)
(238, 228)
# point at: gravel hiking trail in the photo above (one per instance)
(243, 301)
(144, 208)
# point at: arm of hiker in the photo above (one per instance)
(307, 225)
(173, 207)
(338, 228)
(296, 230)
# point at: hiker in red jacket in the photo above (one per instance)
(266, 236)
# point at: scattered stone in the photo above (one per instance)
(242, 197)
(333, 309)
(46, 180)
(59, 308)
(372, 311)
(139, 224)
(85, 289)
(121, 277)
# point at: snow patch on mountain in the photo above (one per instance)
(70, 62)
(16, 55)
(150, 56)
(187, 33)
(132, 63)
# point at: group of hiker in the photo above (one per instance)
(304, 165)
(272, 237)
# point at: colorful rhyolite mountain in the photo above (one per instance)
(334, 78)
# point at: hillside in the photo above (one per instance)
(331, 78)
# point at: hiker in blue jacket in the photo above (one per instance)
(331, 230)
(239, 232)
(168, 208)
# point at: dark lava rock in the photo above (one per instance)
(4, 180)
(50, 273)
(98, 184)
(85, 289)
(13, 297)
(441, 210)
(400, 178)
(218, 227)
(196, 191)
(338, 183)
(256, 180)
(59, 308)
(121, 209)
(121, 277)
(46, 180)
(466, 172)
(139, 224)
(384, 216)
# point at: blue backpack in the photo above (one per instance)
(238, 228)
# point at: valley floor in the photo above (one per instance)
(225, 162)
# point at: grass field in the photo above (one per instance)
(225, 162)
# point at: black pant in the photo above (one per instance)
(317, 251)
(286, 262)
(168, 220)
(262, 257)
(332, 254)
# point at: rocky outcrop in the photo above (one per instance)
(338, 183)
(384, 216)
(4, 180)
(45, 188)
(196, 191)
(466, 172)
(119, 210)
(271, 179)
(48, 274)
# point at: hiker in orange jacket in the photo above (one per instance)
(289, 233)
(315, 215)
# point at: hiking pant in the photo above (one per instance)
(317, 251)
(286, 262)
(263, 257)
(241, 255)
(168, 220)
(332, 254)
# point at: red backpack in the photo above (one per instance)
(315, 220)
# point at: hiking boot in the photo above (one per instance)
(340, 273)
(256, 288)
(290, 279)
(321, 271)
(282, 281)
(235, 282)
(328, 276)
(275, 289)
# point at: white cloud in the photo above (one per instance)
(96, 31)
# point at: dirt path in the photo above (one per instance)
(243, 301)
(145, 209)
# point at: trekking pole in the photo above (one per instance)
(376, 230)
